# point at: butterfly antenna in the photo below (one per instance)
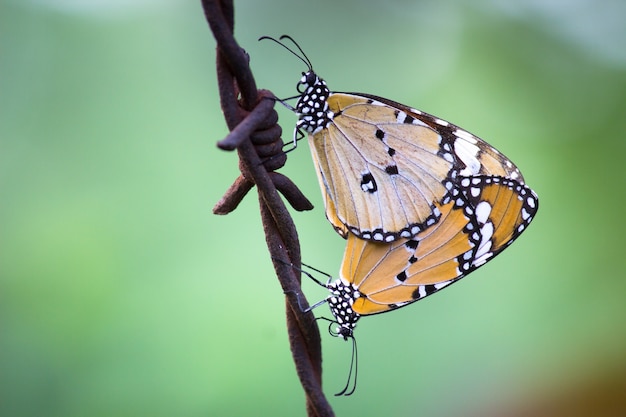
(302, 57)
(354, 365)
(318, 271)
(308, 274)
(299, 49)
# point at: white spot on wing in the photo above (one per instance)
(480, 260)
(483, 210)
(484, 249)
(468, 154)
(442, 284)
(465, 135)
(487, 232)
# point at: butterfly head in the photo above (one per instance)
(312, 108)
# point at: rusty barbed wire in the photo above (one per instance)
(255, 134)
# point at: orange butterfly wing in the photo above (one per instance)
(389, 276)
(504, 208)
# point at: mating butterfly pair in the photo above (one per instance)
(421, 202)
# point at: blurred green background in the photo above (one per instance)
(121, 294)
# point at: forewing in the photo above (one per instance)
(385, 168)
(485, 216)
(504, 209)
(472, 155)
(384, 172)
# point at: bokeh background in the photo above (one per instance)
(121, 294)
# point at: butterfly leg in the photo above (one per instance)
(297, 135)
(306, 310)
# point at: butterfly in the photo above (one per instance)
(479, 218)
(384, 168)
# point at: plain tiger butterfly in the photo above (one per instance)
(384, 168)
(479, 219)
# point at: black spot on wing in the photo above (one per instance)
(423, 291)
(380, 134)
(401, 276)
(412, 244)
(430, 289)
(416, 294)
(368, 183)
(391, 169)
